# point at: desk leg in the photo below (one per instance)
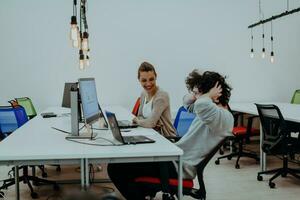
(87, 177)
(82, 173)
(263, 161)
(17, 182)
(180, 179)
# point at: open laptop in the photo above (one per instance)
(138, 139)
(123, 124)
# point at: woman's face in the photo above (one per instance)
(148, 81)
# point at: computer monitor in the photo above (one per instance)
(66, 102)
(89, 101)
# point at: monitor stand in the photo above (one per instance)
(87, 134)
(75, 119)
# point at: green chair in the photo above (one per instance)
(27, 105)
(296, 97)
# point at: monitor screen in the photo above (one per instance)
(66, 102)
(89, 100)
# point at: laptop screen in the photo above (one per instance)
(114, 126)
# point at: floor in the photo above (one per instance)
(223, 182)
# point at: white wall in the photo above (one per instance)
(174, 35)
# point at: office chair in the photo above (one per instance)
(241, 135)
(169, 187)
(136, 107)
(183, 121)
(12, 118)
(296, 97)
(277, 141)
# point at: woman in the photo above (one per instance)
(154, 111)
(212, 124)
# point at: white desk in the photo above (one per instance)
(290, 112)
(36, 143)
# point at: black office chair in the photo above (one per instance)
(241, 136)
(277, 141)
(152, 185)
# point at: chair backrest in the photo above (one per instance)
(296, 97)
(273, 126)
(183, 121)
(200, 169)
(136, 107)
(28, 106)
(11, 118)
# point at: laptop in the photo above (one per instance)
(124, 124)
(138, 139)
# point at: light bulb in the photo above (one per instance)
(81, 60)
(74, 28)
(252, 53)
(75, 43)
(87, 61)
(272, 57)
(263, 54)
(85, 42)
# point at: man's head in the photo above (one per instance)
(204, 82)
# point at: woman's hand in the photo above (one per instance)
(134, 120)
(215, 92)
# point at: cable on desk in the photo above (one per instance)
(63, 131)
(92, 144)
(100, 129)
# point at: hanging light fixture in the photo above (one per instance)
(263, 52)
(272, 52)
(79, 36)
(252, 51)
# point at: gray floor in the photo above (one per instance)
(222, 182)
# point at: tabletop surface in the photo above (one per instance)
(290, 112)
(37, 140)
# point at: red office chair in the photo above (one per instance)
(241, 134)
(152, 185)
(136, 107)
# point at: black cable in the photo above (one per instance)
(66, 131)
(113, 144)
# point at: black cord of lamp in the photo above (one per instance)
(252, 51)
(272, 39)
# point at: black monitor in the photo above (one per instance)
(89, 101)
(66, 102)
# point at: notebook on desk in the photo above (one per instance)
(138, 139)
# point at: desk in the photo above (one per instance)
(290, 112)
(36, 143)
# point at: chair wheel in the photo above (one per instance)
(44, 175)
(229, 158)
(58, 169)
(221, 152)
(217, 162)
(237, 166)
(34, 195)
(56, 187)
(272, 185)
(259, 178)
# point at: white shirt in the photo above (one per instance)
(147, 108)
